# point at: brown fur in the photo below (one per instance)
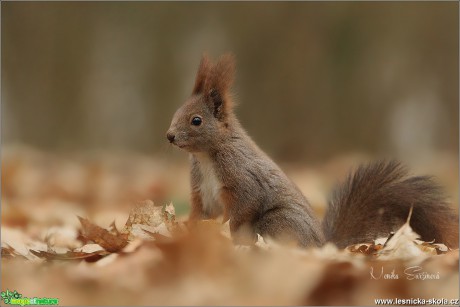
(376, 200)
(231, 175)
(202, 74)
(197, 209)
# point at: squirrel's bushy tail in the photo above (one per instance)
(375, 200)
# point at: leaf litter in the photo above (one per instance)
(156, 258)
(170, 257)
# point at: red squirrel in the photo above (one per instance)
(233, 177)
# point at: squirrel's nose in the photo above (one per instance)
(170, 136)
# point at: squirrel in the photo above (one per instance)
(233, 177)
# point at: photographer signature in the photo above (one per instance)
(410, 273)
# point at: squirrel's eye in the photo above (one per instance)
(196, 121)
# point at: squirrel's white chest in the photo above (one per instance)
(210, 186)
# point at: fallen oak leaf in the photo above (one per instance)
(146, 218)
(144, 213)
(156, 235)
(441, 248)
(402, 245)
(369, 249)
(145, 232)
(170, 210)
(113, 229)
(71, 255)
(21, 243)
(9, 253)
(89, 248)
(432, 248)
(225, 230)
(110, 242)
(169, 217)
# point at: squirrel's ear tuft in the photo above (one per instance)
(202, 74)
(223, 73)
(219, 83)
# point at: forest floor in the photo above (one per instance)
(105, 229)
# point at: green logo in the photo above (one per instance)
(15, 298)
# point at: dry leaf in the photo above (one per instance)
(225, 230)
(113, 229)
(261, 243)
(9, 253)
(89, 248)
(103, 237)
(143, 214)
(402, 245)
(369, 249)
(170, 209)
(70, 255)
(184, 265)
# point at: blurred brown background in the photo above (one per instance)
(315, 81)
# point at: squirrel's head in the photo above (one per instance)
(205, 118)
